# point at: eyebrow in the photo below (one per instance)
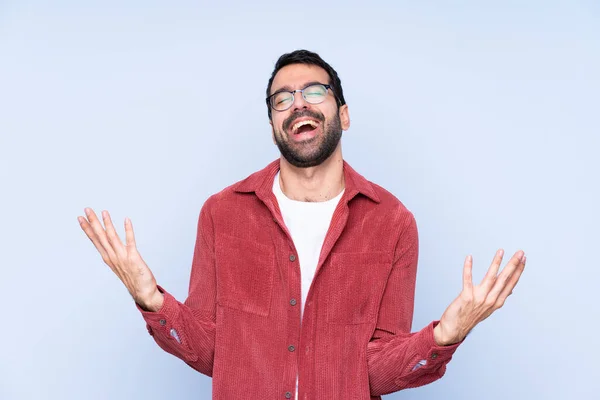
(288, 88)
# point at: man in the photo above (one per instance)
(303, 274)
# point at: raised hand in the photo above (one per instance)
(477, 302)
(124, 260)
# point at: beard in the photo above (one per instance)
(314, 151)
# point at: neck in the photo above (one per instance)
(320, 183)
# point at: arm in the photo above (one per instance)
(187, 330)
(398, 359)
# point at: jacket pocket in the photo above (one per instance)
(355, 285)
(245, 272)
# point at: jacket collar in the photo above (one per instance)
(261, 182)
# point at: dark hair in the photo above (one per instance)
(308, 58)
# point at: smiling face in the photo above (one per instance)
(307, 134)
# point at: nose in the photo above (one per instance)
(299, 101)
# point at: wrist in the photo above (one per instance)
(439, 337)
(152, 303)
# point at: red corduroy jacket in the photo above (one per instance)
(241, 321)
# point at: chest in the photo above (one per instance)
(257, 268)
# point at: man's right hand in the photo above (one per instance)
(125, 261)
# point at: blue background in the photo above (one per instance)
(482, 117)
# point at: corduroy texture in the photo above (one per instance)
(240, 326)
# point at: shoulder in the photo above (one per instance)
(381, 200)
(242, 190)
(391, 206)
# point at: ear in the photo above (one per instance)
(344, 117)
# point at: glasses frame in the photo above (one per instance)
(293, 93)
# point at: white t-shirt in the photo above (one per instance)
(308, 223)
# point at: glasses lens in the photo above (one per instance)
(282, 101)
(315, 94)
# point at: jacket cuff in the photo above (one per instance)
(430, 351)
(161, 320)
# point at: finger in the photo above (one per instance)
(505, 276)
(94, 238)
(510, 285)
(100, 233)
(490, 277)
(468, 274)
(129, 236)
(111, 233)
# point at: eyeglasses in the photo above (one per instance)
(313, 94)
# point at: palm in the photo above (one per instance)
(123, 259)
(477, 302)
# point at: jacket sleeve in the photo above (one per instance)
(398, 359)
(187, 330)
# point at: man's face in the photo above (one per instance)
(307, 134)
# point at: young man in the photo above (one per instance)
(303, 274)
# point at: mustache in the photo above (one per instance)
(304, 113)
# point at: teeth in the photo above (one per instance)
(297, 125)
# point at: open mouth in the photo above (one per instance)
(306, 126)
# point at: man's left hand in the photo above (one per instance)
(477, 302)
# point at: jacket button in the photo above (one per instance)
(293, 302)
(291, 348)
(292, 258)
(434, 356)
(288, 395)
(162, 322)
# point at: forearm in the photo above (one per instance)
(406, 360)
(183, 332)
